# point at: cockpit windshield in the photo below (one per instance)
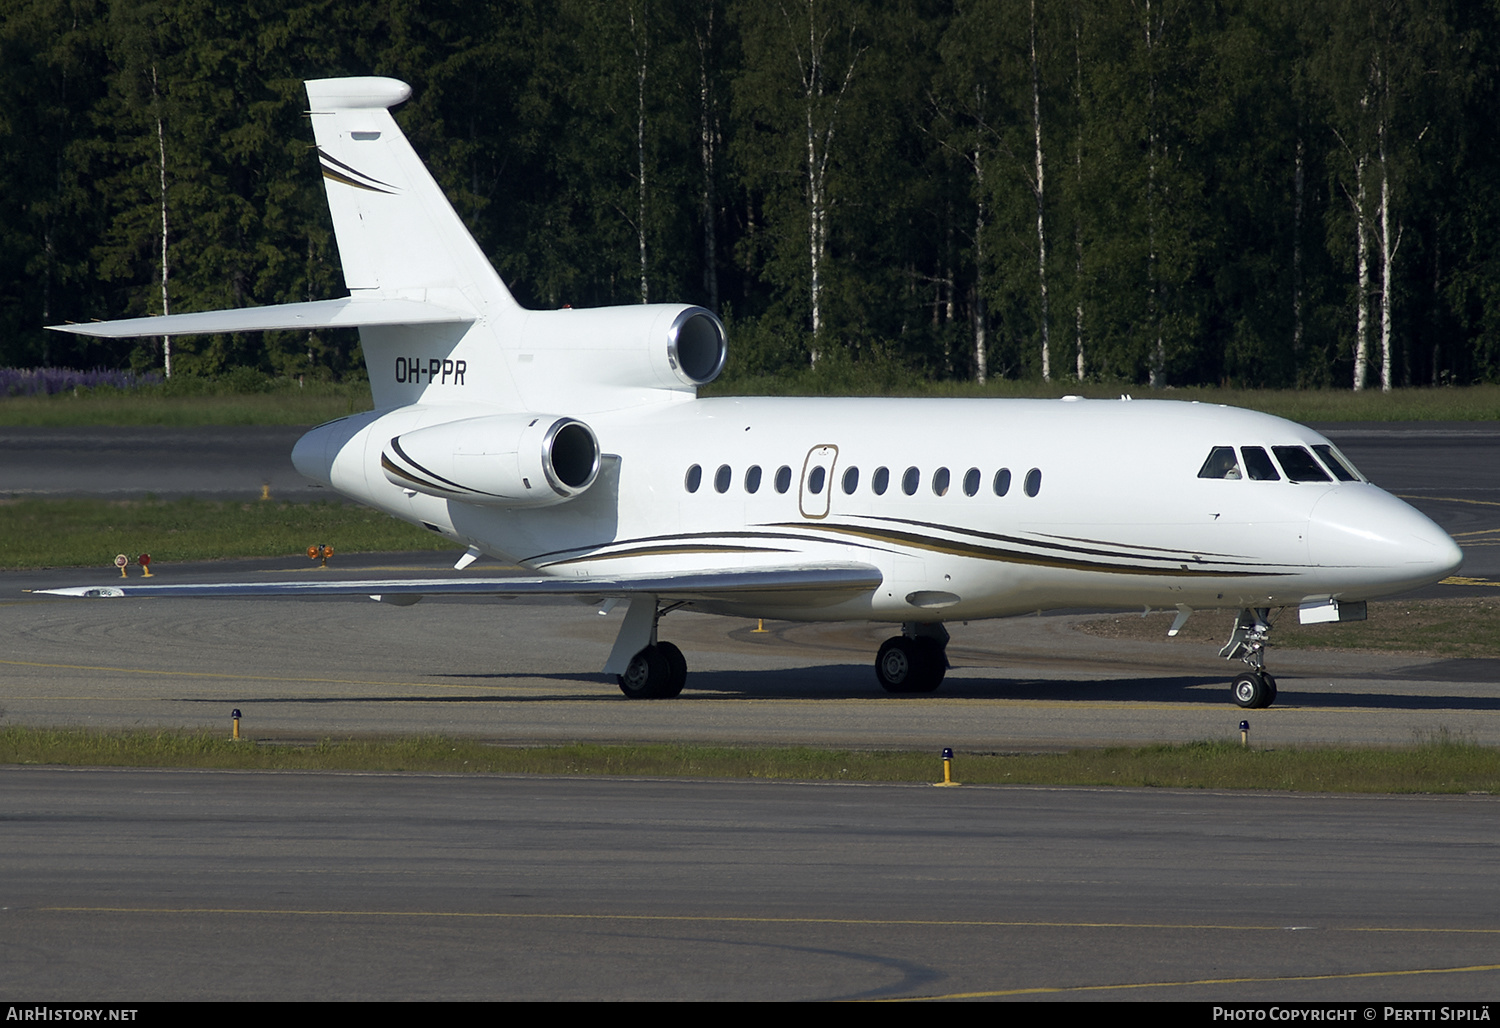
(1254, 463)
(1221, 463)
(1299, 464)
(1337, 463)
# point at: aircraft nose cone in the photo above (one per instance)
(1397, 546)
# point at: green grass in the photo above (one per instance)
(1469, 403)
(1435, 763)
(182, 403)
(185, 402)
(80, 533)
(1459, 627)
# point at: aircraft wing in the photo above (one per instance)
(843, 580)
(347, 312)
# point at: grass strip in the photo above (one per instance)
(1458, 627)
(285, 403)
(80, 533)
(1468, 403)
(1436, 762)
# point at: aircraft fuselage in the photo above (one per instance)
(969, 508)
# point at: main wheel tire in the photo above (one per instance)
(1249, 691)
(647, 676)
(910, 665)
(897, 665)
(676, 669)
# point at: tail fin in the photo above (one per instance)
(397, 233)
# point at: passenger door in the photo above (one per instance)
(816, 491)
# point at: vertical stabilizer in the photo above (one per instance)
(399, 238)
(396, 231)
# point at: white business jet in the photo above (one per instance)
(573, 443)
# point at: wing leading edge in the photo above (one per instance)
(842, 580)
(347, 312)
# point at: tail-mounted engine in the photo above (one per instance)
(502, 460)
(644, 346)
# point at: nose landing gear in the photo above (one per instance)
(1254, 689)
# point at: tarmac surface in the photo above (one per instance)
(143, 885)
(170, 885)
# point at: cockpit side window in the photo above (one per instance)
(1221, 463)
(1258, 464)
(1299, 464)
(1337, 463)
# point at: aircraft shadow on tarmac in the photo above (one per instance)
(851, 682)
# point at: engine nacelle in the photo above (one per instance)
(650, 346)
(501, 460)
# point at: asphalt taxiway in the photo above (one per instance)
(224, 886)
(170, 885)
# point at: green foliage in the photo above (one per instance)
(1200, 171)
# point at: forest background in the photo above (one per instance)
(1258, 193)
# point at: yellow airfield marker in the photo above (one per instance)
(947, 769)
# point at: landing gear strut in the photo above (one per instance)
(1254, 689)
(656, 670)
(914, 661)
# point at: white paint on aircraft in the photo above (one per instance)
(573, 443)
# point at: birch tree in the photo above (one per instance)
(803, 57)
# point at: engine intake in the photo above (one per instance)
(502, 460)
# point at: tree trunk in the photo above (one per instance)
(1362, 250)
(642, 44)
(1039, 184)
(161, 146)
(1388, 247)
(707, 125)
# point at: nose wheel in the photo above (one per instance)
(1254, 689)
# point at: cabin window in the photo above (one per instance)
(815, 480)
(1258, 464)
(880, 481)
(722, 479)
(783, 478)
(851, 480)
(1299, 464)
(910, 481)
(1337, 463)
(971, 481)
(940, 479)
(752, 478)
(1002, 481)
(1033, 481)
(1221, 463)
(694, 478)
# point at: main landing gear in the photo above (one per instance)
(914, 661)
(654, 670)
(1254, 689)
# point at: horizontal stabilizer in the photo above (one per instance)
(344, 313)
(851, 579)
